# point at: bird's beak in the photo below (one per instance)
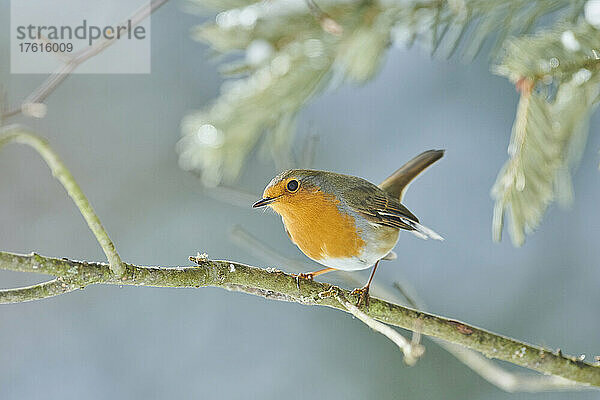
(264, 202)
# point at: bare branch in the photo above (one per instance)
(36, 292)
(273, 284)
(505, 380)
(14, 133)
(493, 373)
(57, 77)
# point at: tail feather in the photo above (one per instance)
(397, 183)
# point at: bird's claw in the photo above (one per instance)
(363, 296)
(308, 276)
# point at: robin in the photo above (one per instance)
(344, 222)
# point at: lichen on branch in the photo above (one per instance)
(277, 285)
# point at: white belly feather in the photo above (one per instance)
(379, 244)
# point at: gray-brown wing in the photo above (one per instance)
(379, 207)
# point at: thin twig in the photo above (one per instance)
(60, 55)
(57, 77)
(412, 351)
(36, 292)
(15, 133)
(276, 285)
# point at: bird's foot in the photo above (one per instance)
(309, 276)
(363, 296)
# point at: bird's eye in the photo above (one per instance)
(292, 185)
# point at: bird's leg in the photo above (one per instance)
(310, 275)
(363, 292)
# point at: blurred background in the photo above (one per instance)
(117, 134)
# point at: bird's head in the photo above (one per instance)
(289, 189)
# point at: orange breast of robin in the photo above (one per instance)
(318, 227)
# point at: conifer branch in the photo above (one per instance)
(558, 75)
(290, 57)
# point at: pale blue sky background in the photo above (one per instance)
(117, 133)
